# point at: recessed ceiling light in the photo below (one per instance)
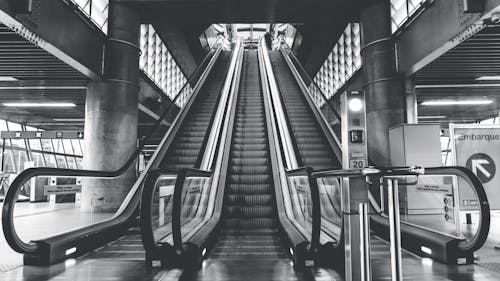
(457, 102)
(39, 104)
(432, 117)
(68, 120)
(488, 78)
(7, 78)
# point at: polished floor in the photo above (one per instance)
(123, 259)
(40, 220)
(107, 264)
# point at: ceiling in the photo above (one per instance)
(453, 77)
(36, 76)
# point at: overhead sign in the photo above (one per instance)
(41, 135)
(477, 147)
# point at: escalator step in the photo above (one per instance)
(187, 143)
(250, 199)
(249, 217)
(259, 211)
(241, 188)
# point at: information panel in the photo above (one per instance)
(477, 147)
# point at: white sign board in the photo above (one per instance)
(477, 147)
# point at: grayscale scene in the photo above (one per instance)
(249, 140)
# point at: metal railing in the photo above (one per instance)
(328, 117)
(191, 199)
(408, 177)
(125, 213)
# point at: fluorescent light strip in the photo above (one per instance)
(431, 117)
(7, 78)
(68, 120)
(31, 104)
(488, 78)
(457, 102)
(496, 85)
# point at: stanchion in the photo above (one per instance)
(364, 245)
(394, 228)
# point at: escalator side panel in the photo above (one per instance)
(313, 146)
(249, 219)
(188, 142)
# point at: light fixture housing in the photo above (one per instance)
(489, 78)
(426, 250)
(7, 78)
(39, 104)
(355, 104)
(432, 117)
(456, 102)
(68, 120)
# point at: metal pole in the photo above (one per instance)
(394, 228)
(364, 238)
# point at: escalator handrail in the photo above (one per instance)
(11, 197)
(464, 246)
(302, 70)
(371, 171)
(295, 145)
(478, 240)
(331, 137)
(233, 71)
(295, 237)
(177, 203)
(292, 158)
(316, 204)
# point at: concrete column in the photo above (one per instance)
(385, 103)
(411, 101)
(111, 113)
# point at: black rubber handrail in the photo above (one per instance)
(302, 70)
(465, 246)
(183, 173)
(177, 203)
(300, 161)
(316, 205)
(11, 197)
(478, 240)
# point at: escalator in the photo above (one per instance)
(180, 147)
(249, 217)
(311, 143)
(185, 149)
(314, 149)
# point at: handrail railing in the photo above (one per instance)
(10, 199)
(304, 74)
(295, 237)
(177, 207)
(316, 205)
(332, 136)
(213, 145)
(464, 246)
(206, 159)
(288, 160)
(481, 235)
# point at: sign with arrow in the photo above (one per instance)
(482, 166)
(477, 147)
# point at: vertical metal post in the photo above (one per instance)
(394, 230)
(456, 207)
(3, 154)
(364, 245)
